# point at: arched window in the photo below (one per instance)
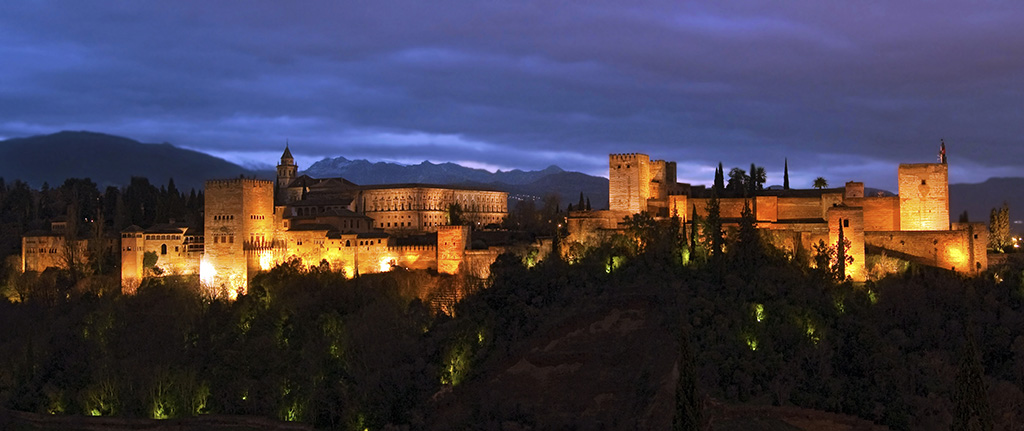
(163, 248)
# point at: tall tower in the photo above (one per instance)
(239, 221)
(286, 171)
(629, 182)
(924, 195)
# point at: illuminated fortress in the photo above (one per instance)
(913, 226)
(252, 225)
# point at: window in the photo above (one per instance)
(846, 223)
(923, 182)
(163, 248)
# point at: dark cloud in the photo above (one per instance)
(844, 90)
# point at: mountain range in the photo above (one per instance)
(113, 160)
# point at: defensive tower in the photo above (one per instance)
(239, 218)
(629, 182)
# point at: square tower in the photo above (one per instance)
(924, 196)
(629, 182)
(239, 220)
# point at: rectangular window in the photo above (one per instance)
(846, 223)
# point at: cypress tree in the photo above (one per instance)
(971, 410)
(719, 179)
(841, 253)
(580, 205)
(713, 227)
(785, 176)
(688, 406)
(588, 203)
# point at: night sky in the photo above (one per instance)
(845, 90)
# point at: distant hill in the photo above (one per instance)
(520, 184)
(979, 199)
(107, 160)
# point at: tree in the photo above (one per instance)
(747, 251)
(712, 234)
(455, 217)
(582, 204)
(971, 409)
(841, 246)
(737, 180)
(964, 218)
(820, 183)
(758, 176)
(999, 228)
(785, 175)
(719, 186)
(689, 415)
(695, 224)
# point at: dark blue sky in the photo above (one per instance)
(845, 90)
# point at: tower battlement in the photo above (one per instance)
(626, 157)
(236, 181)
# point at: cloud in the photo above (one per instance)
(847, 90)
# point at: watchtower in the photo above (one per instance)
(924, 196)
(239, 217)
(629, 182)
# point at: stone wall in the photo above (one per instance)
(880, 213)
(944, 249)
(451, 246)
(629, 182)
(238, 213)
(851, 219)
(799, 208)
(415, 256)
(924, 196)
(132, 246)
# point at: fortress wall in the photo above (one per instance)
(628, 182)
(880, 213)
(658, 187)
(477, 263)
(851, 219)
(924, 196)
(679, 205)
(767, 208)
(415, 257)
(732, 207)
(799, 208)
(943, 249)
(977, 235)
